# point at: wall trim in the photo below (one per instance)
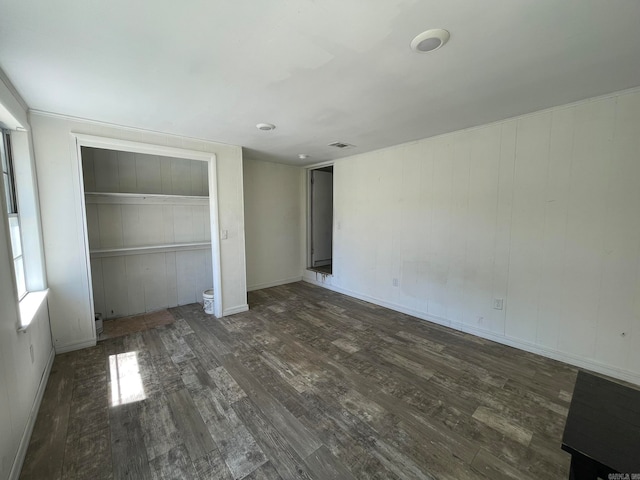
(70, 347)
(234, 310)
(260, 286)
(553, 354)
(31, 421)
(72, 118)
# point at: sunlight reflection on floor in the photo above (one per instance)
(126, 381)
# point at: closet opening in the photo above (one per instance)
(151, 217)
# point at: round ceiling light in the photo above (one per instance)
(265, 126)
(303, 156)
(430, 40)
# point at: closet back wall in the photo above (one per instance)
(149, 230)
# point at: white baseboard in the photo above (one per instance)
(260, 286)
(575, 360)
(234, 310)
(70, 347)
(31, 421)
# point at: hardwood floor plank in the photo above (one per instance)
(326, 466)
(227, 385)
(174, 464)
(45, 455)
(95, 386)
(345, 345)
(237, 446)
(153, 343)
(503, 425)
(159, 430)
(127, 443)
(89, 410)
(194, 376)
(346, 436)
(93, 363)
(212, 467)
(279, 387)
(403, 362)
(134, 342)
(282, 455)
(265, 472)
(178, 349)
(89, 456)
(398, 463)
(300, 438)
(189, 423)
(167, 374)
(182, 328)
(217, 348)
(494, 468)
(440, 448)
(202, 352)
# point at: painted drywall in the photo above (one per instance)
(137, 281)
(540, 211)
(67, 268)
(22, 376)
(274, 218)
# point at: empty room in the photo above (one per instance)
(383, 239)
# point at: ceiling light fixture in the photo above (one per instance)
(430, 40)
(265, 126)
(303, 156)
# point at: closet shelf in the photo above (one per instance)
(143, 198)
(173, 247)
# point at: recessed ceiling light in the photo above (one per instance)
(303, 156)
(430, 40)
(265, 126)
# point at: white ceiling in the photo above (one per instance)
(321, 70)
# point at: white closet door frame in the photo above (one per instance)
(82, 140)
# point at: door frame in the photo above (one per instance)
(82, 140)
(308, 186)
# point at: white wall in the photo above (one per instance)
(541, 211)
(274, 218)
(22, 377)
(67, 271)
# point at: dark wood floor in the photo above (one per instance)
(307, 384)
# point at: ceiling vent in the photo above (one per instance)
(341, 145)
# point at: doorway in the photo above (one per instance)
(321, 220)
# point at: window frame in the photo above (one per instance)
(11, 200)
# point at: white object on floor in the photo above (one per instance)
(207, 299)
(99, 325)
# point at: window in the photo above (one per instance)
(12, 209)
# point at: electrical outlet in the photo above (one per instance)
(224, 235)
(498, 303)
(395, 282)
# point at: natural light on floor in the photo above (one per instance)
(126, 381)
